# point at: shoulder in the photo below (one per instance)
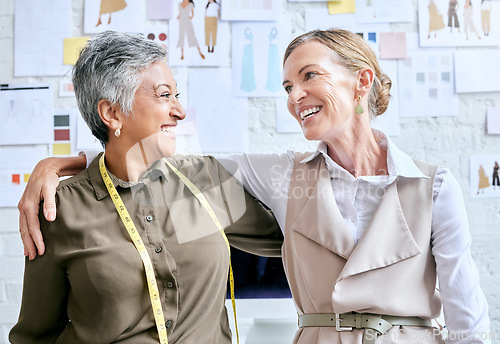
(78, 181)
(196, 166)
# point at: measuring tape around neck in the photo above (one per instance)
(136, 239)
(197, 193)
(154, 295)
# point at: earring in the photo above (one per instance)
(117, 133)
(359, 109)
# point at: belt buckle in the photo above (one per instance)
(339, 328)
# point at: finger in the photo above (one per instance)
(28, 243)
(49, 196)
(33, 229)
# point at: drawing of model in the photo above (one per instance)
(273, 83)
(496, 181)
(452, 15)
(110, 6)
(212, 15)
(247, 68)
(186, 13)
(485, 16)
(435, 19)
(468, 22)
(483, 180)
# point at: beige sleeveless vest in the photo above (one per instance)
(390, 270)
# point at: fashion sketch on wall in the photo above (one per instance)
(197, 37)
(118, 15)
(484, 176)
(257, 52)
(458, 23)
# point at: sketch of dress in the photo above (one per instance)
(435, 18)
(483, 180)
(186, 27)
(468, 22)
(110, 6)
(247, 65)
(273, 83)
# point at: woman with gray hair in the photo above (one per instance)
(132, 256)
(368, 230)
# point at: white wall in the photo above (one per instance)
(447, 141)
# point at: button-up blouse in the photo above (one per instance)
(90, 286)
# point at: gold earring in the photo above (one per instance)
(359, 109)
(117, 133)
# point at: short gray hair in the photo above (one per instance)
(108, 68)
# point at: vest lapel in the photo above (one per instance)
(387, 240)
(315, 218)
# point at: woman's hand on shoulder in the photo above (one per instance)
(42, 185)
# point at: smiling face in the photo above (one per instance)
(321, 92)
(155, 114)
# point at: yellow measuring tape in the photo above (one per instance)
(211, 212)
(154, 295)
(136, 239)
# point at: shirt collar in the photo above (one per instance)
(157, 170)
(398, 163)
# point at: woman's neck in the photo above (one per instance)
(357, 150)
(125, 163)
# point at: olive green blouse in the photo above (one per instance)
(90, 286)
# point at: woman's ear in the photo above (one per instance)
(110, 114)
(365, 80)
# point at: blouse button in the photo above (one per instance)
(158, 249)
(168, 323)
(149, 218)
(170, 284)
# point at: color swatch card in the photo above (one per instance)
(426, 82)
(254, 10)
(64, 140)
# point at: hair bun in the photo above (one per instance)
(384, 95)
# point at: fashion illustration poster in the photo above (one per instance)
(484, 176)
(458, 22)
(197, 36)
(118, 15)
(257, 55)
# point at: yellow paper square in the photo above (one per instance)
(341, 6)
(61, 149)
(72, 48)
(26, 177)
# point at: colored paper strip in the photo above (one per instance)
(61, 121)
(341, 6)
(61, 149)
(26, 177)
(16, 179)
(72, 48)
(61, 135)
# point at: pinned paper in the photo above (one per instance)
(72, 48)
(26, 177)
(341, 6)
(493, 120)
(469, 79)
(392, 45)
(16, 179)
(160, 9)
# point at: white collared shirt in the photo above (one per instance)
(267, 177)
